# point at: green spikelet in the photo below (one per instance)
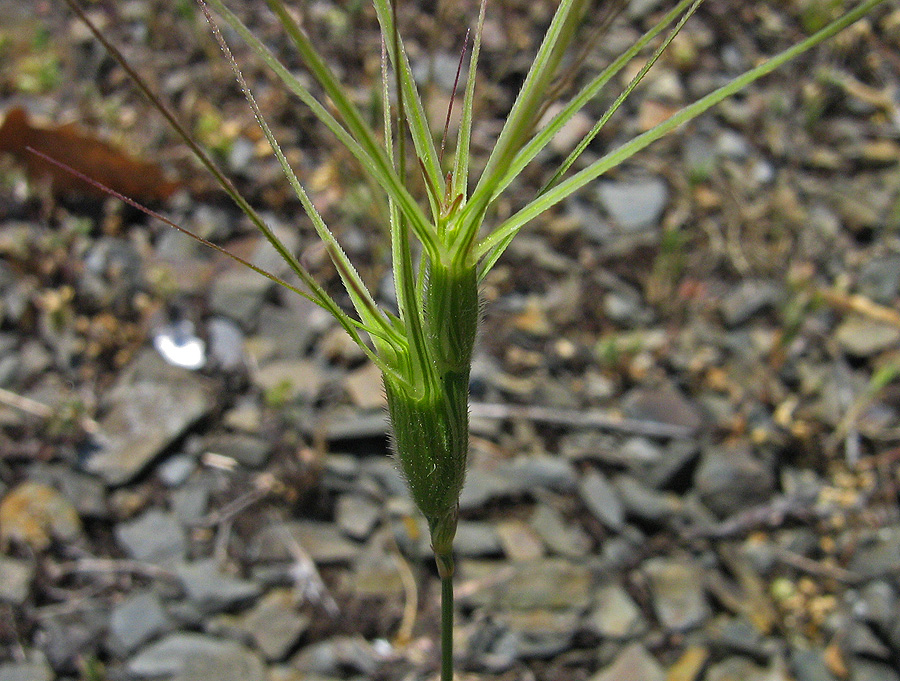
(431, 426)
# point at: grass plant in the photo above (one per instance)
(442, 244)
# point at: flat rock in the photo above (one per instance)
(550, 583)
(559, 536)
(476, 539)
(634, 662)
(194, 657)
(615, 615)
(15, 580)
(634, 204)
(322, 542)
(135, 621)
(35, 668)
(357, 515)
(212, 590)
(864, 337)
(275, 624)
(291, 379)
(144, 419)
(602, 500)
(336, 656)
(663, 405)
(678, 596)
(732, 480)
(879, 555)
(155, 537)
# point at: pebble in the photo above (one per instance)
(226, 344)
(357, 515)
(689, 665)
(663, 405)
(144, 418)
(477, 539)
(212, 590)
(134, 621)
(559, 536)
(336, 656)
(323, 542)
(644, 504)
(738, 669)
(16, 577)
(366, 388)
(247, 450)
(238, 295)
(877, 556)
(34, 514)
(678, 595)
(210, 659)
(35, 668)
(274, 623)
(602, 500)
(732, 480)
(519, 540)
(155, 536)
(615, 614)
(864, 337)
(289, 379)
(549, 583)
(635, 204)
(750, 298)
(634, 662)
(539, 633)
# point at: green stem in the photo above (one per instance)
(447, 627)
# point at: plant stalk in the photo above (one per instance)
(446, 617)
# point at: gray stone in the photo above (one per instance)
(238, 294)
(559, 535)
(211, 589)
(809, 665)
(291, 378)
(181, 655)
(322, 542)
(634, 662)
(615, 614)
(357, 515)
(226, 344)
(872, 670)
(15, 580)
(542, 472)
(635, 204)
(336, 656)
(748, 299)
(176, 469)
(737, 669)
(602, 501)
(144, 419)
(35, 668)
(879, 555)
(135, 621)
(190, 502)
(550, 583)
(155, 537)
(275, 624)
(249, 451)
(476, 539)
(645, 504)
(678, 597)
(732, 480)
(865, 337)
(878, 604)
(540, 633)
(663, 405)
(879, 279)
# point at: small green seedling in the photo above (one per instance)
(441, 246)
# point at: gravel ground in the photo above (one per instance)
(685, 442)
